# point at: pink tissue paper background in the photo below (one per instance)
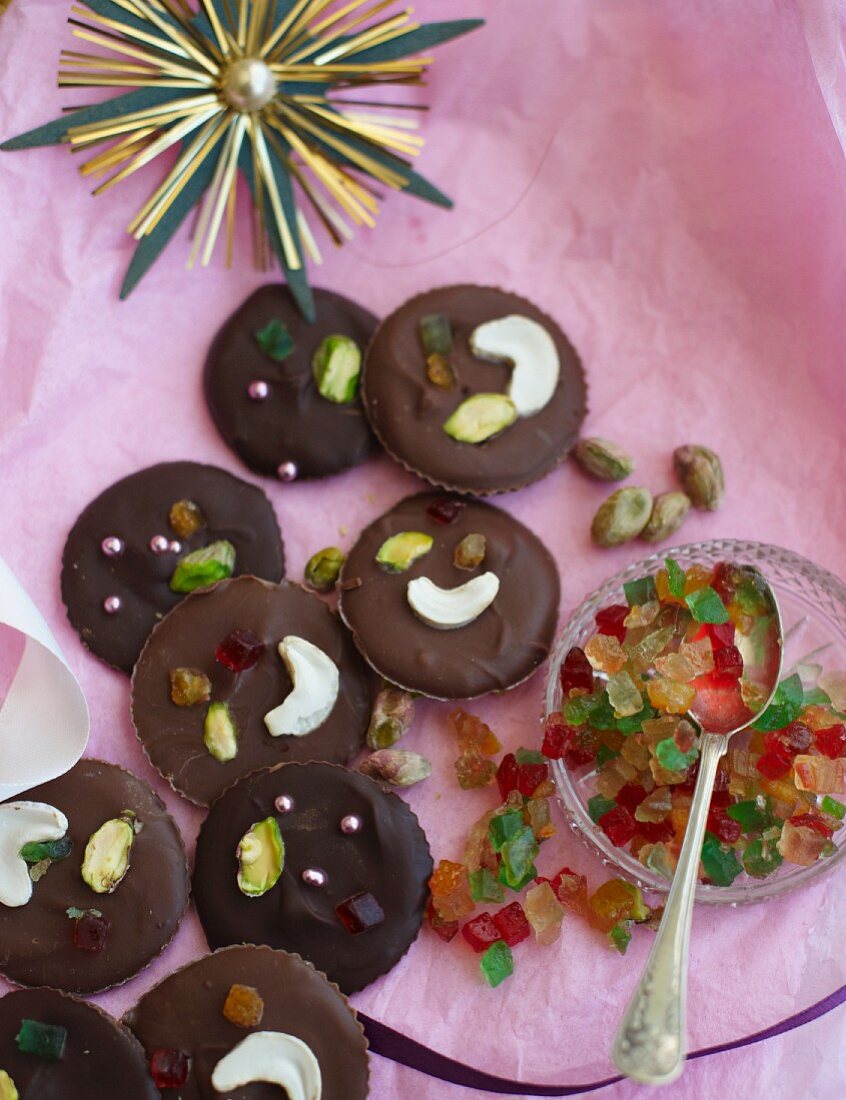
(667, 180)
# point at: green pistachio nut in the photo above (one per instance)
(481, 417)
(220, 735)
(700, 474)
(337, 367)
(669, 511)
(603, 459)
(402, 550)
(208, 565)
(7, 1087)
(106, 858)
(621, 517)
(324, 567)
(399, 767)
(261, 856)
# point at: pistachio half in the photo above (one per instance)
(220, 735)
(337, 366)
(401, 551)
(7, 1087)
(206, 566)
(324, 567)
(261, 856)
(481, 417)
(107, 852)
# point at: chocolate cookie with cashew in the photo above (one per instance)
(315, 859)
(450, 597)
(149, 539)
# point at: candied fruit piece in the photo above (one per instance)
(724, 827)
(613, 901)
(612, 620)
(670, 757)
(670, 696)
(484, 886)
(699, 655)
(169, 1068)
(631, 796)
(481, 932)
(751, 815)
(504, 827)
(655, 807)
(642, 614)
(470, 552)
(798, 737)
(605, 653)
(620, 937)
(530, 777)
(360, 913)
(507, 774)
(440, 371)
(571, 890)
(189, 686)
(544, 913)
(575, 673)
(90, 932)
(801, 843)
(833, 808)
(618, 825)
(474, 771)
(706, 606)
(511, 923)
(43, 1040)
(8, 1091)
(831, 740)
(186, 518)
(820, 774)
(639, 591)
(240, 650)
(243, 1006)
(537, 811)
(446, 929)
(623, 695)
(472, 733)
(720, 865)
(760, 858)
(445, 509)
(518, 856)
(497, 963)
(728, 663)
(557, 736)
(675, 666)
(655, 831)
(478, 851)
(635, 752)
(614, 775)
(450, 887)
(775, 762)
(696, 577)
(599, 805)
(643, 655)
(812, 821)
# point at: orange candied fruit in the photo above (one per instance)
(450, 887)
(243, 1006)
(612, 902)
(605, 653)
(473, 734)
(662, 589)
(670, 695)
(698, 576)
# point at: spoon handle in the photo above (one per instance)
(650, 1045)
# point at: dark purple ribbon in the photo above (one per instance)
(408, 1052)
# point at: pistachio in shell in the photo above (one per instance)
(621, 517)
(669, 511)
(402, 550)
(700, 473)
(107, 853)
(398, 767)
(481, 417)
(603, 459)
(261, 857)
(393, 714)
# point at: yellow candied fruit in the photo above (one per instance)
(186, 518)
(662, 589)
(675, 667)
(635, 751)
(782, 790)
(612, 902)
(664, 776)
(670, 696)
(816, 717)
(698, 576)
(642, 614)
(678, 819)
(243, 1006)
(756, 742)
(605, 653)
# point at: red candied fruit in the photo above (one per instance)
(557, 736)
(728, 663)
(619, 826)
(722, 581)
(446, 929)
(656, 831)
(445, 509)
(239, 650)
(530, 777)
(360, 913)
(611, 620)
(775, 763)
(582, 749)
(831, 741)
(631, 796)
(90, 932)
(812, 822)
(576, 673)
(507, 775)
(169, 1068)
(723, 827)
(720, 634)
(481, 932)
(512, 924)
(792, 740)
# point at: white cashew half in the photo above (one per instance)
(450, 608)
(274, 1057)
(531, 349)
(316, 682)
(24, 823)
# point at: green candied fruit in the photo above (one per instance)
(261, 856)
(497, 963)
(832, 807)
(504, 827)
(760, 859)
(275, 340)
(670, 757)
(518, 858)
(640, 591)
(675, 578)
(220, 735)
(484, 887)
(815, 697)
(337, 367)
(43, 1040)
(605, 753)
(7, 1087)
(752, 816)
(435, 334)
(212, 563)
(402, 550)
(529, 756)
(706, 606)
(785, 708)
(620, 936)
(719, 864)
(37, 850)
(602, 716)
(481, 417)
(634, 723)
(599, 805)
(579, 709)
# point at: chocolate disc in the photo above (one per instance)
(408, 411)
(173, 736)
(143, 911)
(325, 865)
(271, 413)
(184, 1012)
(100, 1061)
(122, 551)
(500, 648)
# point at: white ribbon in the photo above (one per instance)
(44, 718)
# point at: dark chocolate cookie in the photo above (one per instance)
(173, 736)
(271, 412)
(501, 647)
(408, 410)
(121, 553)
(41, 943)
(101, 1058)
(184, 1012)
(352, 852)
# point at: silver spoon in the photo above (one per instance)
(650, 1045)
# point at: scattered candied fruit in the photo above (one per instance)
(619, 826)
(189, 686)
(186, 518)
(612, 620)
(240, 650)
(474, 770)
(557, 736)
(605, 653)
(243, 1006)
(544, 913)
(169, 1068)
(511, 924)
(447, 930)
(450, 888)
(497, 963)
(472, 733)
(481, 932)
(670, 696)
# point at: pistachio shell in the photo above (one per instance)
(621, 517)
(603, 459)
(668, 514)
(399, 767)
(700, 473)
(481, 417)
